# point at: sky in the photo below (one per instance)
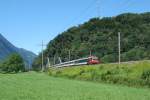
(26, 23)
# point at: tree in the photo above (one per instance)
(100, 36)
(14, 63)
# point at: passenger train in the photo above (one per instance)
(83, 61)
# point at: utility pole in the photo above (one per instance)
(90, 53)
(42, 58)
(60, 60)
(69, 55)
(54, 60)
(119, 48)
(48, 62)
(29, 64)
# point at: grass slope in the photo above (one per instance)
(129, 73)
(37, 86)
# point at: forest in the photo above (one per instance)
(100, 37)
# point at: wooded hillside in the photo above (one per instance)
(101, 37)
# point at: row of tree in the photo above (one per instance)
(12, 64)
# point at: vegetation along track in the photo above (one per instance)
(136, 73)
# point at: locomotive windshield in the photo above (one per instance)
(93, 58)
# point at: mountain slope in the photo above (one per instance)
(6, 48)
(101, 37)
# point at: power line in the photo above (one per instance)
(86, 15)
(98, 5)
(81, 13)
(85, 10)
(99, 8)
(124, 4)
(127, 4)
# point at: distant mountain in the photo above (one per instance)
(101, 37)
(7, 48)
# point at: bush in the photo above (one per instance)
(14, 63)
(84, 76)
(134, 54)
(76, 73)
(146, 75)
(109, 58)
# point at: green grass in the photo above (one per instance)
(127, 73)
(39, 86)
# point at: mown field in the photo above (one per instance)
(135, 74)
(39, 86)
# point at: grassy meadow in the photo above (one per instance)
(39, 86)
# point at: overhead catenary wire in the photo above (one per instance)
(81, 14)
(84, 12)
(99, 8)
(127, 4)
(130, 4)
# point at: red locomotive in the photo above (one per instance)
(93, 60)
